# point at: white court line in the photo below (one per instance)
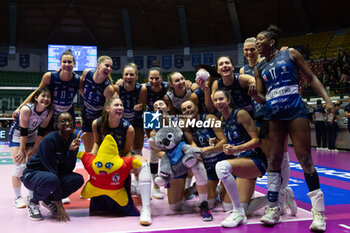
(345, 226)
(216, 225)
(201, 226)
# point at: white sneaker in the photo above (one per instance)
(156, 193)
(66, 200)
(19, 202)
(319, 222)
(290, 202)
(272, 216)
(145, 216)
(34, 213)
(234, 219)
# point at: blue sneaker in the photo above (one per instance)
(205, 212)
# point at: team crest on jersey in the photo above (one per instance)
(116, 178)
(284, 68)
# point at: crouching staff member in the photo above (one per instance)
(49, 173)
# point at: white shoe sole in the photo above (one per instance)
(242, 222)
(20, 206)
(317, 229)
(271, 223)
(145, 223)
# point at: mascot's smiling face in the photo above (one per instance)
(107, 159)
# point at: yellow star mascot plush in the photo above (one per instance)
(108, 175)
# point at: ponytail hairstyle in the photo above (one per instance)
(68, 52)
(155, 68)
(102, 59)
(273, 32)
(169, 79)
(132, 65)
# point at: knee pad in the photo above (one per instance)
(223, 169)
(153, 156)
(19, 168)
(200, 174)
(144, 173)
(177, 206)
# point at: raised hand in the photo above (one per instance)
(76, 142)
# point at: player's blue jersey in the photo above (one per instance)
(118, 133)
(94, 99)
(240, 97)
(281, 79)
(259, 109)
(63, 92)
(201, 101)
(202, 135)
(152, 96)
(235, 133)
(130, 99)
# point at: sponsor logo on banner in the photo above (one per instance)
(116, 63)
(179, 61)
(24, 61)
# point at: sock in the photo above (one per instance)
(211, 203)
(203, 197)
(154, 168)
(285, 170)
(226, 206)
(312, 181)
(244, 206)
(145, 183)
(17, 192)
(274, 181)
(188, 182)
(317, 200)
